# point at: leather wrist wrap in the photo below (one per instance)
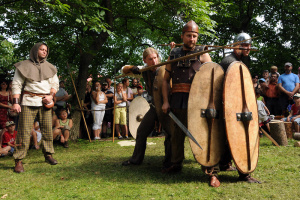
(16, 101)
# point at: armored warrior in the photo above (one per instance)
(182, 74)
(243, 56)
(150, 58)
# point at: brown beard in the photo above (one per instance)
(188, 47)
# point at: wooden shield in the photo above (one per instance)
(242, 132)
(157, 93)
(137, 110)
(208, 130)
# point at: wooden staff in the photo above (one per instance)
(80, 106)
(268, 136)
(214, 46)
(185, 57)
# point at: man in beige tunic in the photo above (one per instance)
(40, 82)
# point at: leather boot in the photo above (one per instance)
(49, 159)
(18, 166)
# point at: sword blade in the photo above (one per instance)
(183, 128)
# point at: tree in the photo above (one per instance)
(97, 35)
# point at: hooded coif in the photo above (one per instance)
(35, 69)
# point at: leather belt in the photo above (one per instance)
(181, 87)
(35, 94)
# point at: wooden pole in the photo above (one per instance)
(80, 106)
(185, 57)
(214, 46)
(268, 136)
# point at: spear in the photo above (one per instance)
(214, 46)
(186, 57)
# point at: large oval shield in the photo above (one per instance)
(137, 110)
(205, 114)
(241, 128)
(157, 93)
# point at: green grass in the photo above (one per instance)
(93, 171)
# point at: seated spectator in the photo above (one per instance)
(36, 135)
(263, 112)
(62, 97)
(62, 128)
(9, 137)
(120, 112)
(258, 95)
(99, 101)
(294, 115)
(6, 150)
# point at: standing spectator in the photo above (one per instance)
(263, 85)
(4, 97)
(134, 86)
(40, 87)
(128, 90)
(288, 84)
(9, 137)
(272, 95)
(110, 87)
(87, 113)
(255, 81)
(99, 100)
(62, 97)
(120, 100)
(108, 116)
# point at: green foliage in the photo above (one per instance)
(7, 58)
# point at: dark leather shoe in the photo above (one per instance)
(66, 145)
(248, 179)
(214, 181)
(49, 159)
(18, 166)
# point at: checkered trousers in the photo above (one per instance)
(26, 119)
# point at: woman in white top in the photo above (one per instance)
(98, 108)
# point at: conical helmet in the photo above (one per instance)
(191, 26)
(243, 36)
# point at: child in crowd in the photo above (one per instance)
(36, 135)
(120, 100)
(259, 96)
(294, 115)
(9, 137)
(266, 76)
(62, 128)
(263, 111)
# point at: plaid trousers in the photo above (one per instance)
(26, 119)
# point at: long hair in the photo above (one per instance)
(149, 51)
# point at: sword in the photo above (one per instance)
(183, 128)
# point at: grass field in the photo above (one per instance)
(93, 171)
